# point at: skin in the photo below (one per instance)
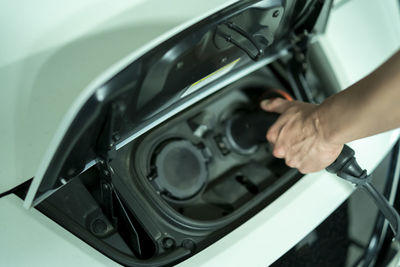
(310, 137)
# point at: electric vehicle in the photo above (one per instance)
(116, 138)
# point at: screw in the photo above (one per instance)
(276, 13)
(168, 243)
(188, 244)
(99, 226)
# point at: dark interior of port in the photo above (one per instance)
(191, 164)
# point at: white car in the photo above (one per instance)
(121, 112)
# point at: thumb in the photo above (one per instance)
(278, 105)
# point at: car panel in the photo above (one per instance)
(40, 87)
(98, 97)
(360, 36)
(79, 122)
(262, 233)
(273, 216)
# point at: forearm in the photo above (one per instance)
(368, 107)
(310, 137)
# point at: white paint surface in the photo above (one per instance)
(361, 35)
(58, 52)
(40, 87)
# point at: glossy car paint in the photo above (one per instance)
(56, 54)
(270, 233)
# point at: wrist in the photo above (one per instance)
(327, 132)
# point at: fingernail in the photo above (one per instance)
(265, 102)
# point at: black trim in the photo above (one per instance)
(18, 189)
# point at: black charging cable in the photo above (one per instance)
(347, 168)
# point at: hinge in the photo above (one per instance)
(106, 151)
(105, 147)
(255, 52)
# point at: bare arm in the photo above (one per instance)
(310, 137)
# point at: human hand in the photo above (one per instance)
(298, 135)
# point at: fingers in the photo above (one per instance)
(280, 149)
(275, 130)
(278, 105)
(295, 137)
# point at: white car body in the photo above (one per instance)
(42, 87)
